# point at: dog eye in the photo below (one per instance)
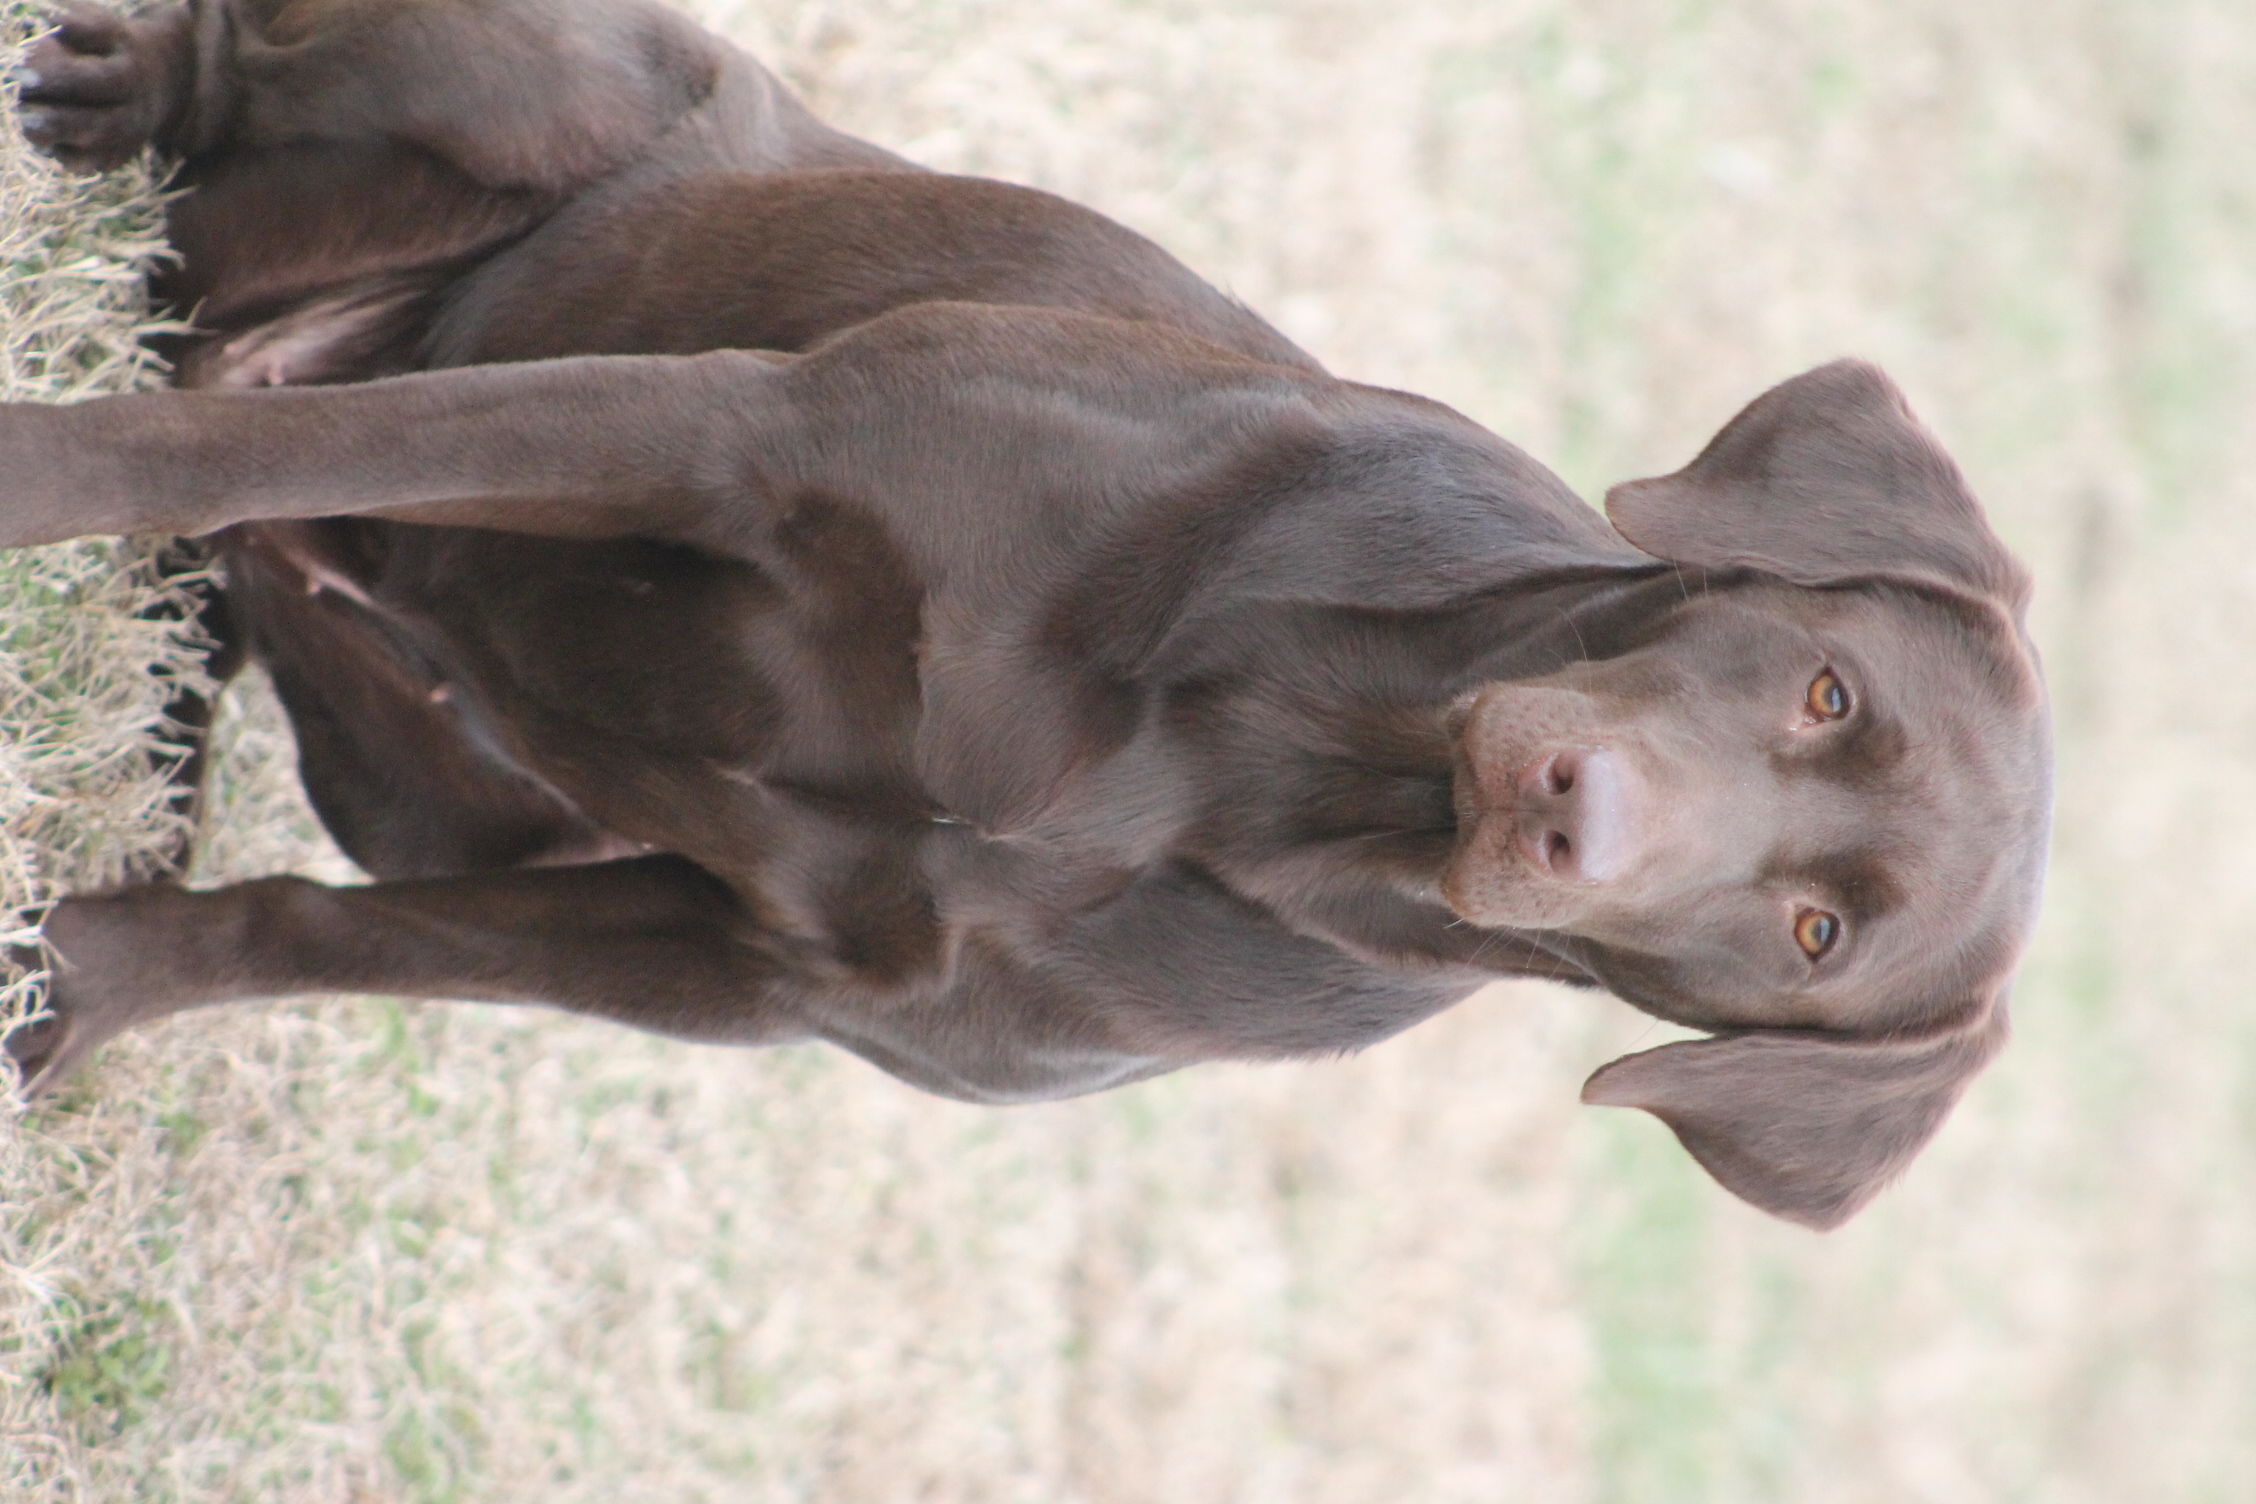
(1815, 931)
(1828, 697)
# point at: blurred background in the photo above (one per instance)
(360, 1251)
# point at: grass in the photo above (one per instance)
(355, 1250)
(84, 670)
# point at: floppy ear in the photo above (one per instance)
(1823, 479)
(1807, 1126)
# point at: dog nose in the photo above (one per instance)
(1578, 815)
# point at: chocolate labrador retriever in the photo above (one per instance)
(775, 593)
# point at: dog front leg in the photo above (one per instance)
(653, 942)
(603, 447)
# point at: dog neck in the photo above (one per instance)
(1329, 769)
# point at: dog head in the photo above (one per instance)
(1806, 810)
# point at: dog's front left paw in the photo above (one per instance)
(106, 962)
(98, 88)
(35, 1045)
(50, 1044)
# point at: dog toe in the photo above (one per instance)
(83, 139)
(93, 30)
(84, 91)
(53, 74)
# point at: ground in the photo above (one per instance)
(358, 1251)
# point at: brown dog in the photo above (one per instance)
(822, 599)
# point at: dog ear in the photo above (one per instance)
(1807, 1126)
(1823, 479)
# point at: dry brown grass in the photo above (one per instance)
(80, 695)
(354, 1251)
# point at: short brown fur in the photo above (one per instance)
(785, 594)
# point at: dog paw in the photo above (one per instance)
(94, 91)
(39, 1046)
(52, 1041)
(50, 1046)
(98, 985)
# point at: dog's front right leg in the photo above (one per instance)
(952, 426)
(603, 447)
(652, 942)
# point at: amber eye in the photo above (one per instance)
(1828, 697)
(1815, 931)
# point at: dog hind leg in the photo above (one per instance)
(393, 750)
(100, 87)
